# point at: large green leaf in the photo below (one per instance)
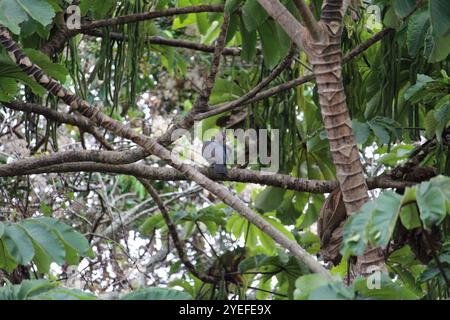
(157, 294)
(74, 243)
(388, 290)
(404, 7)
(356, 231)
(271, 45)
(64, 294)
(269, 199)
(18, 244)
(248, 42)
(361, 131)
(417, 31)
(46, 239)
(253, 15)
(14, 12)
(439, 16)
(307, 284)
(41, 290)
(384, 217)
(432, 204)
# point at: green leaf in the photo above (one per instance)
(11, 15)
(404, 7)
(225, 90)
(432, 204)
(440, 48)
(442, 116)
(417, 31)
(157, 294)
(409, 217)
(18, 244)
(248, 42)
(8, 89)
(356, 231)
(41, 290)
(253, 15)
(25, 289)
(361, 131)
(45, 209)
(380, 131)
(439, 16)
(46, 239)
(64, 294)
(307, 284)
(421, 82)
(332, 291)
(388, 290)
(9, 70)
(76, 245)
(54, 70)
(269, 199)
(384, 217)
(231, 5)
(14, 12)
(269, 39)
(152, 223)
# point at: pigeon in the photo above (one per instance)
(215, 152)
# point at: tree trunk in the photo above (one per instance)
(326, 58)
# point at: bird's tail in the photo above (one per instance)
(220, 168)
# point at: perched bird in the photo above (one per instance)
(215, 152)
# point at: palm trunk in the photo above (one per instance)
(327, 64)
(326, 58)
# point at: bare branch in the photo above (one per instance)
(252, 93)
(75, 120)
(309, 20)
(177, 43)
(178, 243)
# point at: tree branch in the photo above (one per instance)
(253, 92)
(233, 51)
(309, 20)
(75, 120)
(113, 162)
(178, 243)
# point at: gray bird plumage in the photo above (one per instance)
(215, 152)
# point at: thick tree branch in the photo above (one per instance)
(115, 162)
